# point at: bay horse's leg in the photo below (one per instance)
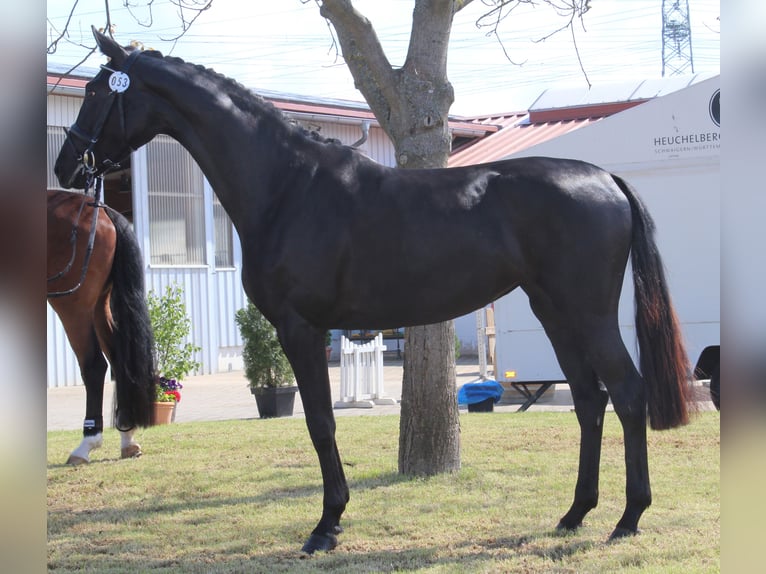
(589, 402)
(82, 337)
(304, 347)
(129, 448)
(93, 370)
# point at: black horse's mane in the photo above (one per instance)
(250, 102)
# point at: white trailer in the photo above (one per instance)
(668, 149)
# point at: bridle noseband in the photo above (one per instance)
(88, 156)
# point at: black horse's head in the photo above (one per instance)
(112, 121)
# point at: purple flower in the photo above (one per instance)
(170, 384)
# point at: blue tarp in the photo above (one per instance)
(472, 393)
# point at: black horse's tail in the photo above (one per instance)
(664, 364)
(133, 361)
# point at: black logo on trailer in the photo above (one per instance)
(715, 108)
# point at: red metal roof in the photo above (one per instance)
(521, 130)
(65, 81)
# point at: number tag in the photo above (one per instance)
(119, 82)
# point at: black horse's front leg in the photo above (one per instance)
(304, 347)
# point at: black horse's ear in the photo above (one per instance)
(109, 47)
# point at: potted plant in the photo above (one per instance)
(175, 355)
(269, 374)
(166, 398)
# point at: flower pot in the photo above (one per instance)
(485, 406)
(275, 401)
(163, 413)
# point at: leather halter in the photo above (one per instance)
(88, 157)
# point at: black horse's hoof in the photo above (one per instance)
(325, 542)
(620, 533)
(566, 527)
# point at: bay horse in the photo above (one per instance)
(310, 214)
(96, 287)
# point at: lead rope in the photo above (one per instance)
(97, 188)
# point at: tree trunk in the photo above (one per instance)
(429, 426)
(412, 105)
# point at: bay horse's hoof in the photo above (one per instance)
(76, 460)
(132, 451)
(325, 542)
(620, 532)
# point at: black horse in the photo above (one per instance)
(310, 214)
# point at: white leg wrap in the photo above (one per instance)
(130, 448)
(81, 454)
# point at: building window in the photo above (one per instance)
(176, 205)
(223, 230)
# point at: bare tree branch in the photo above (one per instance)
(109, 28)
(571, 10)
(579, 59)
(187, 10)
(459, 5)
(374, 76)
(53, 45)
(195, 7)
(129, 5)
(718, 19)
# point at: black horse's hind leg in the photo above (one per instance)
(615, 368)
(597, 353)
(304, 347)
(590, 403)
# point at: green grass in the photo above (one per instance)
(242, 496)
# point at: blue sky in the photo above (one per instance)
(286, 46)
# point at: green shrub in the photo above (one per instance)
(265, 363)
(172, 326)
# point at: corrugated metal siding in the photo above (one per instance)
(62, 367)
(211, 314)
(229, 298)
(62, 110)
(196, 297)
(55, 140)
(377, 146)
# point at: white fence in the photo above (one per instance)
(361, 374)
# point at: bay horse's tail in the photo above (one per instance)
(133, 361)
(664, 364)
